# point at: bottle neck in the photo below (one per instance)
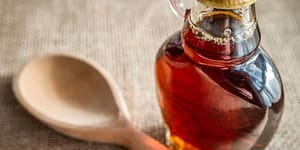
(220, 35)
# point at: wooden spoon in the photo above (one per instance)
(75, 97)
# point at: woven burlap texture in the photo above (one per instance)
(123, 36)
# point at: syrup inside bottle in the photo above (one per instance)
(218, 95)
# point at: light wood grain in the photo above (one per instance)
(75, 97)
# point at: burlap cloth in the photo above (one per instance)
(123, 37)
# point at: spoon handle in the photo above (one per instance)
(141, 141)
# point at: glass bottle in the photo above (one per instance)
(218, 89)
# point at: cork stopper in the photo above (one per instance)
(227, 4)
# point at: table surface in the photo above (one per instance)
(123, 37)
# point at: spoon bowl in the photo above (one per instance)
(79, 99)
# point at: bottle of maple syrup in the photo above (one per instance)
(218, 89)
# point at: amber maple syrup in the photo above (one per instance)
(218, 95)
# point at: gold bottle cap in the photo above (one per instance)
(227, 4)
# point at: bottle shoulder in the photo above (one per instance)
(264, 77)
(172, 46)
(257, 79)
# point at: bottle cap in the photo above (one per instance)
(227, 4)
